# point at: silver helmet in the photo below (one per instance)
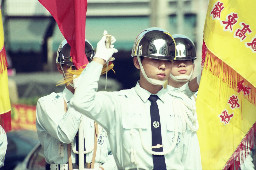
(185, 48)
(154, 43)
(63, 53)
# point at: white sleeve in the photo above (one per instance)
(62, 126)
(3, 145)
(98, 106)
(191, 156)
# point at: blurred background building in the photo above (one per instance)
(32, 36)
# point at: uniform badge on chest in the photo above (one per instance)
(100, 140)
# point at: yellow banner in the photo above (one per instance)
(5, 105)
(226, 112)
(230, 34)
(226, 102)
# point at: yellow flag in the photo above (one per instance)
(226, 102)
(5, 106)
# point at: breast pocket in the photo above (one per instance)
(134, 129)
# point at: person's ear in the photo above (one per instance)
(136, 62)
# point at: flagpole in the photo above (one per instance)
(159, 13)
(201, 14)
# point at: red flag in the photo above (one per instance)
(70, 15)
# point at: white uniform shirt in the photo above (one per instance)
(126, 117)
(3, 145)
(57, 128)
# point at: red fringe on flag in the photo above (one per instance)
(242, 150)
(235, 81)
(3, 61)
(204, 51)
(228, 75)
(5, 118)
(5, 121)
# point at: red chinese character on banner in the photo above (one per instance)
(232, 19)
(233, 101)
(225, 117)
(253, 44)
(241, 32)
(246, 90)
(217, 10)
(241, 87)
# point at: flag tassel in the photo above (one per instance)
(242, 150)
(228, 75)
(3, 61)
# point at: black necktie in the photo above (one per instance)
(158, 160)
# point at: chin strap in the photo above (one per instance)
(182, 78)
(150, 80)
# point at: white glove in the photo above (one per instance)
(102, 51)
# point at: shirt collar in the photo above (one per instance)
(144, 94)
(67, 94)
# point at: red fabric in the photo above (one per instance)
(5, 118)
(5, 121)
(70, 15)
(248, 143)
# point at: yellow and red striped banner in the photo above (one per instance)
(5, 106)
(24, 117)
(226, 102)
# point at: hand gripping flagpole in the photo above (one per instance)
(108, 45)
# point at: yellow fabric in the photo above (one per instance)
(218, 140)
(5, 105)
(225, 44)
(229, 61)
(71, 74)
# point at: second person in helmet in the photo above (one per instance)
(58, 124)
(182, 67)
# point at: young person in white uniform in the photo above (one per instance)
(180, 81)
(58, 125)
(144, 125)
